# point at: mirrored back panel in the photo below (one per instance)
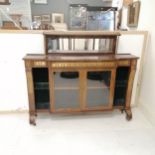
(81, 42)
(79, 45)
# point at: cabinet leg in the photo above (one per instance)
(32, 120)
(128, 114)
(36, 114)
(122, 110)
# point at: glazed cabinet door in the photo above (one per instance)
(65, 91)
(99, 89)
(81, 89)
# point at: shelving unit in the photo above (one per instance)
(61, 81)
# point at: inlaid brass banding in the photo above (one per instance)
(40, 64)
(83, 65)
(124, 63)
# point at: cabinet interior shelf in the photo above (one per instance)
(101, 87)
(72, 88)
(66, 88)
(41, 85)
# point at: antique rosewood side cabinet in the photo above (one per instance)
(79, 72)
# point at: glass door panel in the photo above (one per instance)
(121, 84)
(41, 88)
(66, 90)
(98, 89)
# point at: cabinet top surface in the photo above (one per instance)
(82, 33)
(83, 57)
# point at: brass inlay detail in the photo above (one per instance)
(124, 63)
(85, 65)
(40, 63)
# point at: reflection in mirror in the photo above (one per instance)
(16, 15)
(80, 45)
(73, 14)
(77, 14)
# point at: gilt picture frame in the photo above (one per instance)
(46, 18)
(133, 14)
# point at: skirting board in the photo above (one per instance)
(150, 115)
(13, 111)
(26, 111)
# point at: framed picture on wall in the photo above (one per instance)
(127, 2)
(45, 18)
(133, 14)
(37, 18)
(57, 18)
(40, 1)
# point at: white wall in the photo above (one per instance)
(147, 88)
(133, 44)
(147, 95)
(13, 88)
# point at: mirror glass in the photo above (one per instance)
(16, 14)
(74, 14)
(58, 14)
